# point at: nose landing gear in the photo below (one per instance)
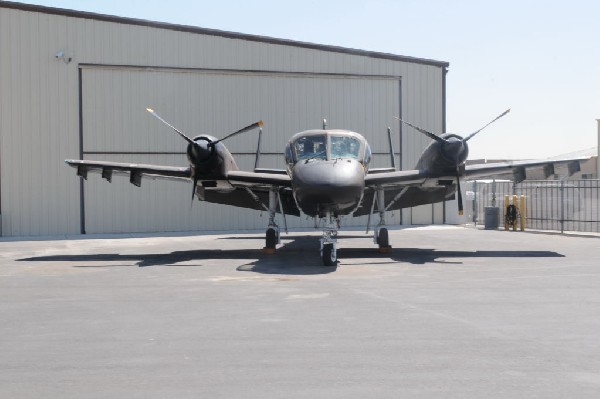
(329, 240)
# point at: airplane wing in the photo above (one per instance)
(396, 178)
(512, 170)
(238, 188)
(403, 189)
(135, 171)
(254, 179)
(520, 170)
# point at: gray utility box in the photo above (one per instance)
(491, 217)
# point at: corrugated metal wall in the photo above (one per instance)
(116, 127)
(201, 83)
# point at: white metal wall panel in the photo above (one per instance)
(117, 128)
(39, 100)
(421, 103)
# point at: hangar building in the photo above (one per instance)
(76, 84)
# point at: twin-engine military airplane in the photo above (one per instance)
(327, 176)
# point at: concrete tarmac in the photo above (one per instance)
(449, 312)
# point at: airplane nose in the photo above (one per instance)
(335, 185)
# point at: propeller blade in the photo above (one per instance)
(425, 132)
(242, 130)
(489, 123)
(460, 199)
(186, 138)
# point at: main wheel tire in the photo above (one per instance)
(383, 238)
(271, 239)
(329, 255)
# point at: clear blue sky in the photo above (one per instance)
(540, 58)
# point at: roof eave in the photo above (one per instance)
(220, 33)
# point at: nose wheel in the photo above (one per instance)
(329, 254)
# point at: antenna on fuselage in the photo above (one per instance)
(324, 124)
(391, 143)
(258, 149)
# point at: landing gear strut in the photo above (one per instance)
(272, 237)
(380, 234)
(329, 240)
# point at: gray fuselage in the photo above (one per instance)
(327, 169)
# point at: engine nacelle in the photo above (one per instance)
(210, 160)
(444, 156)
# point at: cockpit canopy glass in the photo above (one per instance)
(311, 147)
(344, 147)
(327, 146)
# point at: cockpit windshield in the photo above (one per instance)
(344, 147)
(311, 147)
(326, 146)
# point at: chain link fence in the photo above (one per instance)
(562, 205)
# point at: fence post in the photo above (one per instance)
(475, 204)
(523, 212)
(506, 203)
(562, 206)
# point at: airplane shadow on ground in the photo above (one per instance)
(285, 261)
(298, 256)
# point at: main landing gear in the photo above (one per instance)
(328, 240)
(271, 239)
(331, 226)
(272, 236)
(382, 239)
(380, 233)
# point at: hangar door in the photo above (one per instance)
(116, 127)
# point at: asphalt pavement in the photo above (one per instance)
(450, 312)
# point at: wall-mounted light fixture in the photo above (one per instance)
(60, 55)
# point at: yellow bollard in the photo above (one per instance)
(515, 204)
(506, 203)
(522, 209)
